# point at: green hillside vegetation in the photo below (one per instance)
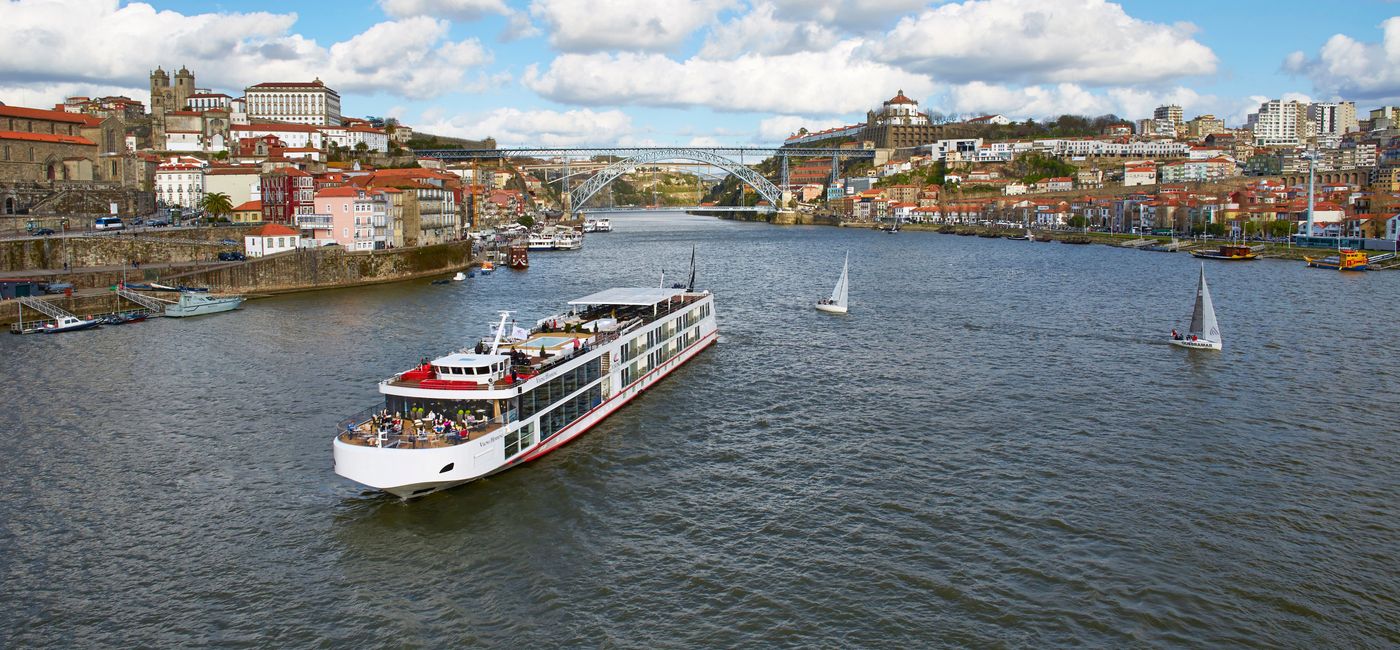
(1032, 167)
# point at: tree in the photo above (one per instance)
(217, 204)
(1078, 221)
(1281, 228)
(1215, 229)
(361, 148)
(1251, 228)
(526, 220)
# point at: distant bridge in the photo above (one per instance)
(676, 208)
(630, 158)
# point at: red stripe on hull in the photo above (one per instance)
(551, 446)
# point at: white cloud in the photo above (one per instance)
(779, 127)
(458, 10)
(54, 42)
(1050, 101)
(643, 25)
(830, 82)
(1346, 67)
(1082, 41)
(515, 127)
(760, 31)
(852, 15)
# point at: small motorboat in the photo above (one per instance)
(459, 277)
(139, 286)
(71, 324)
(1026, 237)
(184, 289)
(487, 267)
(443, 281)
(198, 304)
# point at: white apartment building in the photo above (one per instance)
(180, 181)
(1279, 123)
(292, 101)
(1332, 120)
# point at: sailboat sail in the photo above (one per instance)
(1203, 323)
(838, 294)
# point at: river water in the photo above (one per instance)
(994, 448)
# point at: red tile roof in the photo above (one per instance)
(272, 230)
(899, 98)
(332, 192)
(46, 137)
(289, 84)
(41, 114)
(249, 206)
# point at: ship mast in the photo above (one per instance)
(500, 332)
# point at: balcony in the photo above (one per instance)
(314, 220)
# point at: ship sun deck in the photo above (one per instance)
(594, 321)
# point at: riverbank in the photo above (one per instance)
(1266, 250)
(309, 269)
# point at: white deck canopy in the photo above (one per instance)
(630, 296)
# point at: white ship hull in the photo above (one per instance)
(409, 473)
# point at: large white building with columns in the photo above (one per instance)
(310, 102)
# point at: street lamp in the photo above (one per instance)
(1311, 157)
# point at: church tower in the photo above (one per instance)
(184, 87)
(160, 91)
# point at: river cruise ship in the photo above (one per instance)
(510, 400)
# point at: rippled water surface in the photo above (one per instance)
(995, 447)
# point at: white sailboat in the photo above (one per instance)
(1205, 331)
(836, 304)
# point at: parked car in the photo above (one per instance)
(57, 287)
(44, 232)
(158, 223)
(232, 256)
(228, 242)
(137, 221)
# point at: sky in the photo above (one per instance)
(714, 72)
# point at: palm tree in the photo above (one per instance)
(216, 204)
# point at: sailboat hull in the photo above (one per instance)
(1199, 344)
(831, 309)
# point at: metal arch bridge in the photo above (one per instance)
(633, 157)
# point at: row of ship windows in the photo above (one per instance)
(560, 387)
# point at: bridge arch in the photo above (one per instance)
(580, 195)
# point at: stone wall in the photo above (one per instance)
(120, 248)
(330, 266)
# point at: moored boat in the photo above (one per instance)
(471, 414)
(199, 304)
(519, 257)
(1346, 259)
(71, 324)
(1228, 252)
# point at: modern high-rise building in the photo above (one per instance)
(1280, 123)
(1171, 113)
(1333, 118)
(294, 101)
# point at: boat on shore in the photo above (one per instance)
(1076, 240)
(1026, 237)
(1204, 333)
(836, 304)
(470, 414)
(597, 225)
(1346, 259)
(1229, 253)
(199, 304)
